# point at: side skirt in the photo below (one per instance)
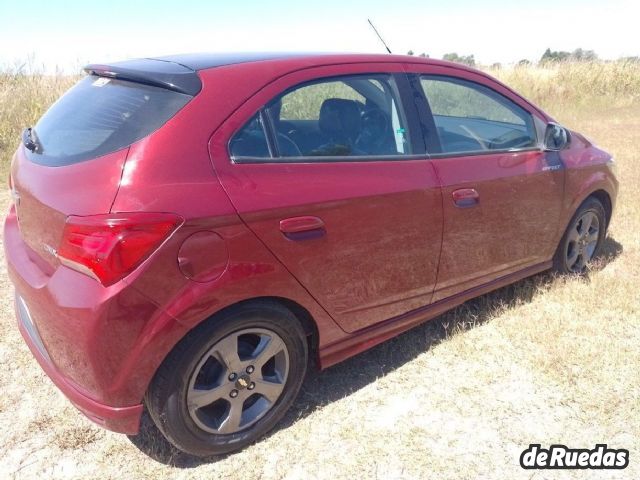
(368, 337)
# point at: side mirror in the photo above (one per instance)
(556, 137)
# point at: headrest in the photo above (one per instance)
(340, 117)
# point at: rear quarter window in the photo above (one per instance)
(101, 115)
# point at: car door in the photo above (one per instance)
(324, 166)
(502, 194)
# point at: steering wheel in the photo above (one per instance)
(510, 139)
(287, 147)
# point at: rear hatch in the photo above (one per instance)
(71, 161)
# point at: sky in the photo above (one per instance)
(65, 35)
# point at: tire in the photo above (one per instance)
(201, 369)
(580, 243)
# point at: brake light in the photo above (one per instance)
(108, 247)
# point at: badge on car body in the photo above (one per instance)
(49, 249)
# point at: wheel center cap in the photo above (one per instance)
(243, 381)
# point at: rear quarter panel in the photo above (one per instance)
(171, 171)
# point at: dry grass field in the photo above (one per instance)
(548, 360)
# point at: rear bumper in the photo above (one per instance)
(118, 419)
(99, 345)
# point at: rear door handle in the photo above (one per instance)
(466, 197)
(302, 228)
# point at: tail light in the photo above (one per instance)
(108, 247)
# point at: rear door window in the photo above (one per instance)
(351, 116)
(100, 115)
(470, 117)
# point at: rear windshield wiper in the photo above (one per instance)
(30, 140)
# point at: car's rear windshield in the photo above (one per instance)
(100, 115)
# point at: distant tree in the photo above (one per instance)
(496, 66)
(468, 60)
(578, 55)
(583, 55)
(634, 59)
(553, 56)
(465, 59)
(523, 63)
(424, 55)
(410, 52)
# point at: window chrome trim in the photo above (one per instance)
(381, 158)
(474, 153)
(329, 159)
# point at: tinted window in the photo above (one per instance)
(100, 115)
(304, 103)
(251, 140)
(471, 117)
(345, 116)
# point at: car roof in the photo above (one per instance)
(179, 72)
(206, 60)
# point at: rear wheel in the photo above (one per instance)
(583, 238)
(230, 380)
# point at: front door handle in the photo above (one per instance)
(466, 197)
(302, 228)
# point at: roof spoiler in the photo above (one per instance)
(158, 73)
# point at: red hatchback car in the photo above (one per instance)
(189, 231)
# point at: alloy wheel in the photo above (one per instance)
(238, 381)
(582, 241)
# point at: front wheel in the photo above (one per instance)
(583, 238)
(230, 380)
